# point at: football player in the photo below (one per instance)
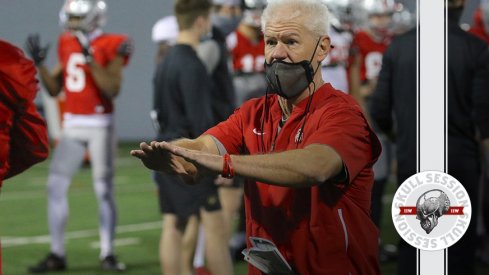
(334, 66)
(247, 47)
(368, 46)
(369, 43)
(89, 71)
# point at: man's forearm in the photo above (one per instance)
(295, 168)
(108, 82)
(50, 82)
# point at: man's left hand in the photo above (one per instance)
(206, 164)
(155, 158)
(125, 48)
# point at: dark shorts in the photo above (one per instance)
(183, 200)
(237, 183)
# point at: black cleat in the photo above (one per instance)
(110, 263)
(52, 262)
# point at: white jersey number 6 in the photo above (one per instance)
(75, 76)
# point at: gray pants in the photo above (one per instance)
(67, 159)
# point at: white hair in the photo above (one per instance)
(314, 11)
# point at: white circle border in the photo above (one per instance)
(423, 241)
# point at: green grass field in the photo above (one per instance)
(24, 230)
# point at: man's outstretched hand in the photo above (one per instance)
(158, 159)
(172, 159)
(37, 52)
(206, 163)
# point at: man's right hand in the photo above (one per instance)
(34, 49)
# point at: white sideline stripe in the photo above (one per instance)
(18, 241)
(27, 195)
(118, 242)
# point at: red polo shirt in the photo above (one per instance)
(324, 229)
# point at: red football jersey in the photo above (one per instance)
(248, 56)
(83, 97)
(371, 53)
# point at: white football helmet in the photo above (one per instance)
(378, 16)
(252, 12)
(403, 20)
(343, 13)
(379, 7)
(255, 4)
(92, 14)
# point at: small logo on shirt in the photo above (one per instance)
(258, 132)
(298, 136)
(431, 210)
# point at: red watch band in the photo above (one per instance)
(227, 167)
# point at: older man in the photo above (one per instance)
(307, 152)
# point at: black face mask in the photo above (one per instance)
(289, 79)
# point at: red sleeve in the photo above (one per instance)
(114, 44)
(230, 132)
(17, 70)
(348, 133)
(18, 87)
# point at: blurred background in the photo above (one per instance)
(18, 18)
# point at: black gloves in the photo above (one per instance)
(34, 49)
(85, 44)
(125, 48)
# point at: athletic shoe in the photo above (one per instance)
(52, 262)
(110, 263)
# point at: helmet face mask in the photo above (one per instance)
(381, 22)
(83, 15)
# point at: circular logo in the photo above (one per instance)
(431, 210)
